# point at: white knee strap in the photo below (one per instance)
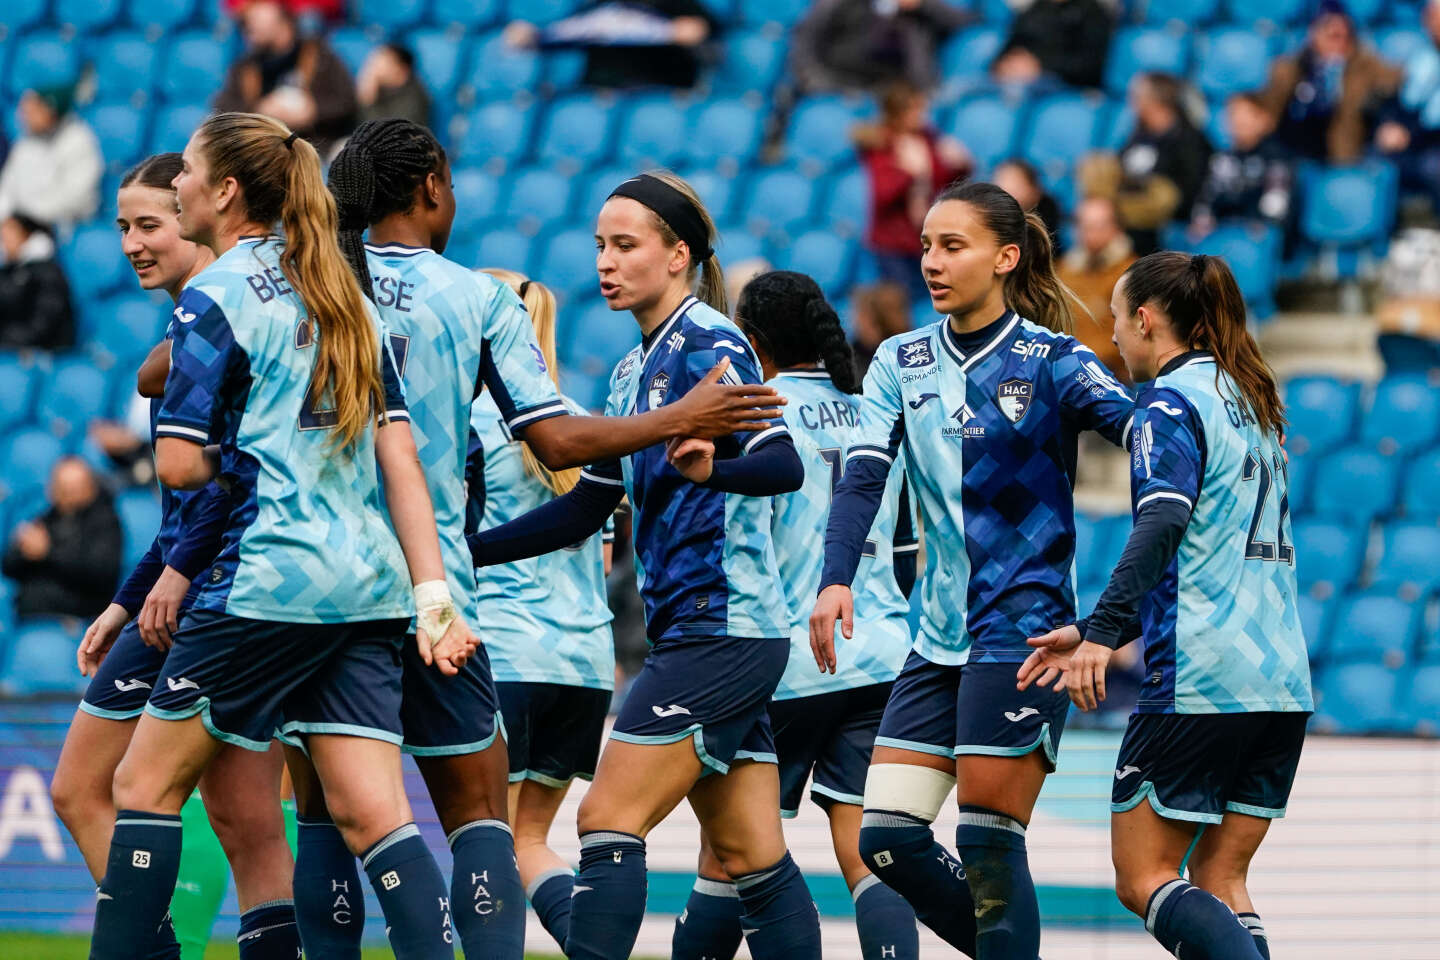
(917, 791)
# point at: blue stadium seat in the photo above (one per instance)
(166, 14)
(1410, 562)
(723, 129)
(87, 16)
(785, 12)
(595, 188)
(1299, 478)
(464, 244)
(439, 57)
(1142, 49)
(1355, 483)
(497, 131)
(819, 134)
(966, 56)
(1192, 13)
(576, 131)
(1328, 553)
(477, 195)
(1061, 129)
(652, 131)
(71, 395)
(563, 70)
(537, 194)
(496, 70)
(599, 338)
(1253, 253)
(352, 45)
(779, 200)
(1357, 698)
(1368, 11)
(1399, 44)
(716, 191)
(509, 249)
(1348, 206)
(753, 61)
(1404, 416)
(566, 262)
(1422, 492)
(173, 127)
(93, 262)
(192, 69)
(17, 15)
(826, 258)
(127, 327)
(1314, 618)
(543, 11)
(391, 16)
(471, 14)
(120, 129)
(1321, 412)
(846, 204)
(124, 66)
(986, 125)
(41, 60)
(1098, 544)
(738, 244)
(139, 512)
(42, 660)
(17, 391)
(1421, 703)
(1231, 60)
(1278, 12)
(26, 456)
(1373, 628)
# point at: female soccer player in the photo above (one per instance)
(124, 649)
(715, 609)
(1210, 753)
(301, 615)
(987, 404)
(824, 724)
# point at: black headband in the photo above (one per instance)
(674, 208)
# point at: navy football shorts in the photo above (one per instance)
(553, 730)
(1198, 767)
(827, 740)
(121, 686)
(971, 709)
(251, 679)
(448, 716)
(712, 689)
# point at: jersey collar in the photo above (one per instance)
(1005, 325)
(1185, 360)
(804, 373)
(253, 240)
(395, 249)
(664, 328)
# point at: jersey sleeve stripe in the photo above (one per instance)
(1164, 495)
(545, 411)
(400, 414)
(911, 547)
(184, 433)
(868, 451)
(767, 434)
(596, 478)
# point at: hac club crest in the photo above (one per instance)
(1014, 398)
(659, 384)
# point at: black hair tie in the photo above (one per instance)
(524, 288)
(290, 141)
(672, 206)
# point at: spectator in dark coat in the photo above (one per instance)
(1252, 180)
(297, 80)
(1021, 180)
(388, 86)
(1064, 40)
(1410, 135)
(35, 310)
(67, 561)
(845, 45)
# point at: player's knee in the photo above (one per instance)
(1223, 876)
(1134, 887)
(244, 823)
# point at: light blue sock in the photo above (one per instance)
(486, 896)
(1257, 930)
(903, 853)
(329, 901)
(885, 922)
(609, 896)
(1007, 914)
(1183, 917)
(550, 895)
(709, 927)
(268, 932)
(134, 896)
(780, 921)
(412, 896)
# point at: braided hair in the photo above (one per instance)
(787, 313)
(376, 175)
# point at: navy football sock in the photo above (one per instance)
(779, 919)
(329, 902)
(134, 896)
(164, 946)
(486, 896)
(709, 928)
(1257, 930)
(1184, 917)
(885, 921)
(901, 850)
(412, 895)
(268, 932)
(1007, 915)
(550, 895)
(609, 899)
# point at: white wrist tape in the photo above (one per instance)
(918, 791)
(434, 609)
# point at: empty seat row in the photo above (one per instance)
(1401, 415)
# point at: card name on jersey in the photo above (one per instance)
(1014, 397)
(965, 417)
(917, 353)
(659, 384)
(829, 415)
(269, 284)
(393, 292)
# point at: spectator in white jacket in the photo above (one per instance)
(53, 172)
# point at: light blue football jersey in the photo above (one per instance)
(823, 421)
(704, 559)
(989, 436)
(451, 329)
(545, 619)
(310, 541)
(1222, 627)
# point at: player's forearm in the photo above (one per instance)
(1149, 550)
(200, 540)
(562, 442)
(137, 586)
(563, 521)
(773, 469)
(407, 499)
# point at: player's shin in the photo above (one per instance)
(134, 895)
(779, 918)
(709, 927)
(412, 895)
(329, 902)
(486, 896)
(1007, 914)
(609, 896)
(885, 922)
(1192, 923)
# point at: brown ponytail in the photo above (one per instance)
(711, 286)
(1031, 289)
(1207, 312)
(279, 175)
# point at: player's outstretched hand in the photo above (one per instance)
(1082, 664)
(713, 409)
(692, 457)
(160, 616)
(835, 602)
(99, 638)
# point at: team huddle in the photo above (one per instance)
(385, 531)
